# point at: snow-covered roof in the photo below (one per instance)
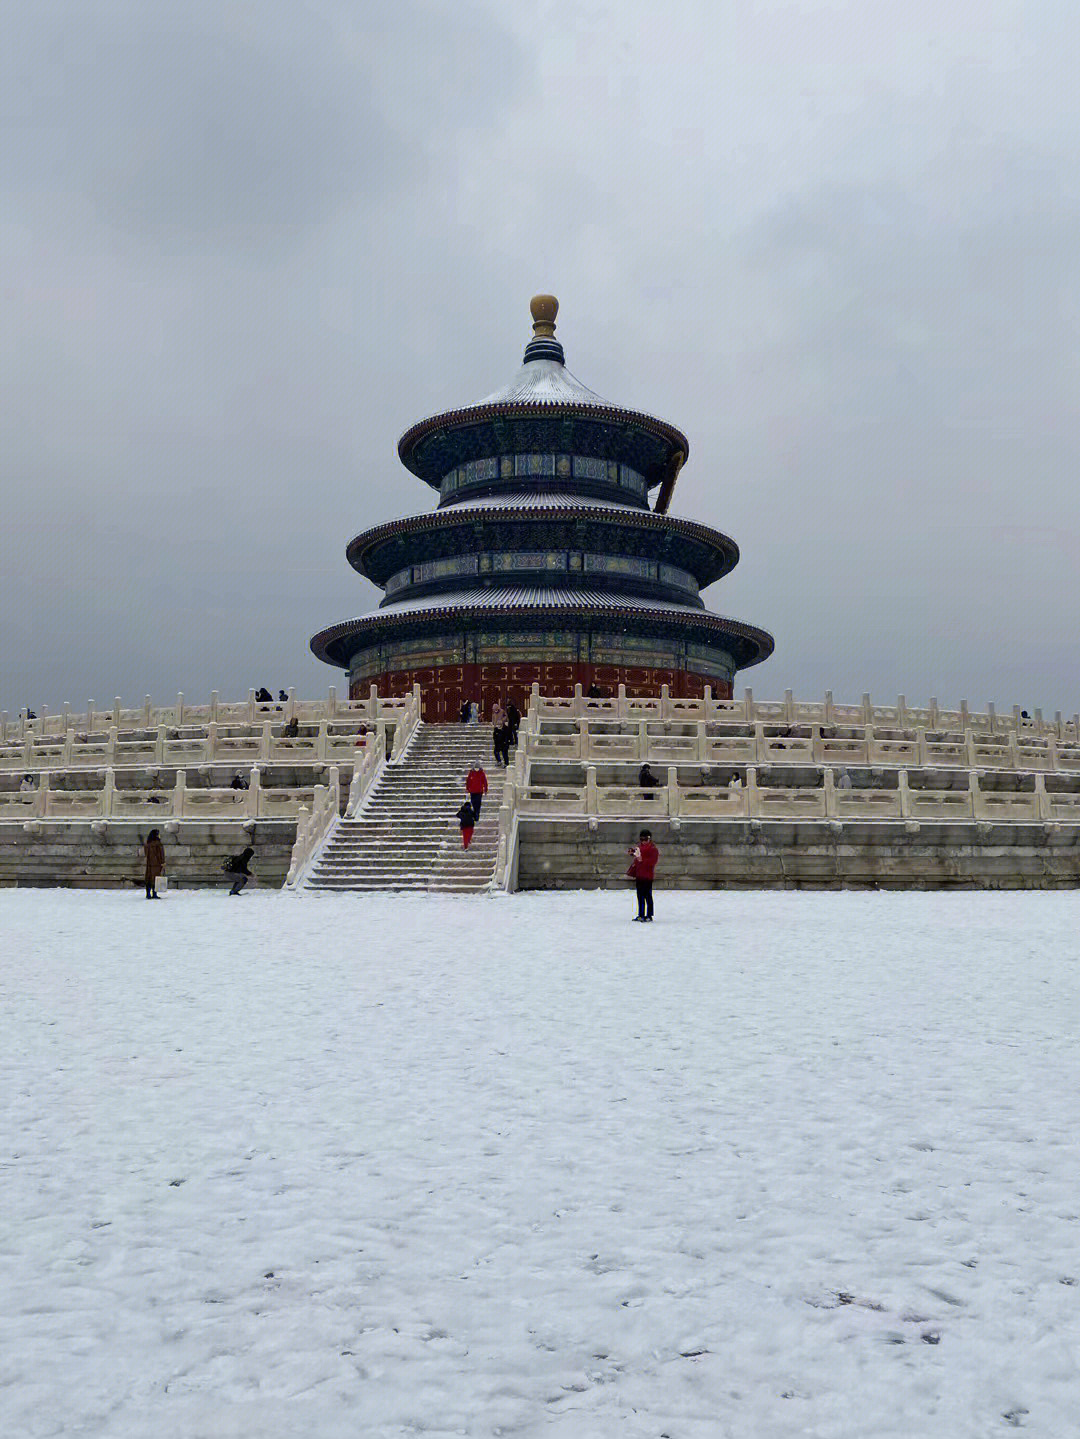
(530, 597)
(545, 382)
(538, 500)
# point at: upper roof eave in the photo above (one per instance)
(479, 414)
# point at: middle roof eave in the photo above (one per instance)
(360, 548)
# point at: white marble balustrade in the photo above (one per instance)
(110, 802)
(790, 711)
(590, 738)
(768, 801)
(93, 719)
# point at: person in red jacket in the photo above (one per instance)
(642, 869)
(476, 786)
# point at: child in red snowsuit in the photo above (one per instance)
(467, 820)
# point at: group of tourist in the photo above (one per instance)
(505, 722)
(264, 697)
(237, 865)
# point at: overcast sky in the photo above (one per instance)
(245, 245)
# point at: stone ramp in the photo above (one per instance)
(407, 836)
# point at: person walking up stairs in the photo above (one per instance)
(407, 835)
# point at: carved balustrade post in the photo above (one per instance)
(830, 792)
(1042, 799)
(977, 806)
(590, 790)
(753, 793)
(108, 794)
(179, 790)
(905, 794)
(759, 742)
(251, 808)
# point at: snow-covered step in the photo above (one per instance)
(407, 835)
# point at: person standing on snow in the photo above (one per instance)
(237, 866)
(476, 787)
(154, 851)
(645, 857)
(467, 820)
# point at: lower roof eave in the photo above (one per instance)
(337, 644)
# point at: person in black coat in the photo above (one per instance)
(513, 715)
(466, 818)
(237, 866)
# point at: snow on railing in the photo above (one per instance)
(794, 712)
(250, 712)
(750, 798)
(691, 742)
(253, 801)
(313, 826)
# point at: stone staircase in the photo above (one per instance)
(407, 836)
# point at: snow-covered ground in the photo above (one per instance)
(779, 1164)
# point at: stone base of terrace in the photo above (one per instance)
(108, 855)
(798, 854)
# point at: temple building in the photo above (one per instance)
(543, 561)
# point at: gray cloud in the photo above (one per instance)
(244, 247)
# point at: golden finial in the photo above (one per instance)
(544, 308)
